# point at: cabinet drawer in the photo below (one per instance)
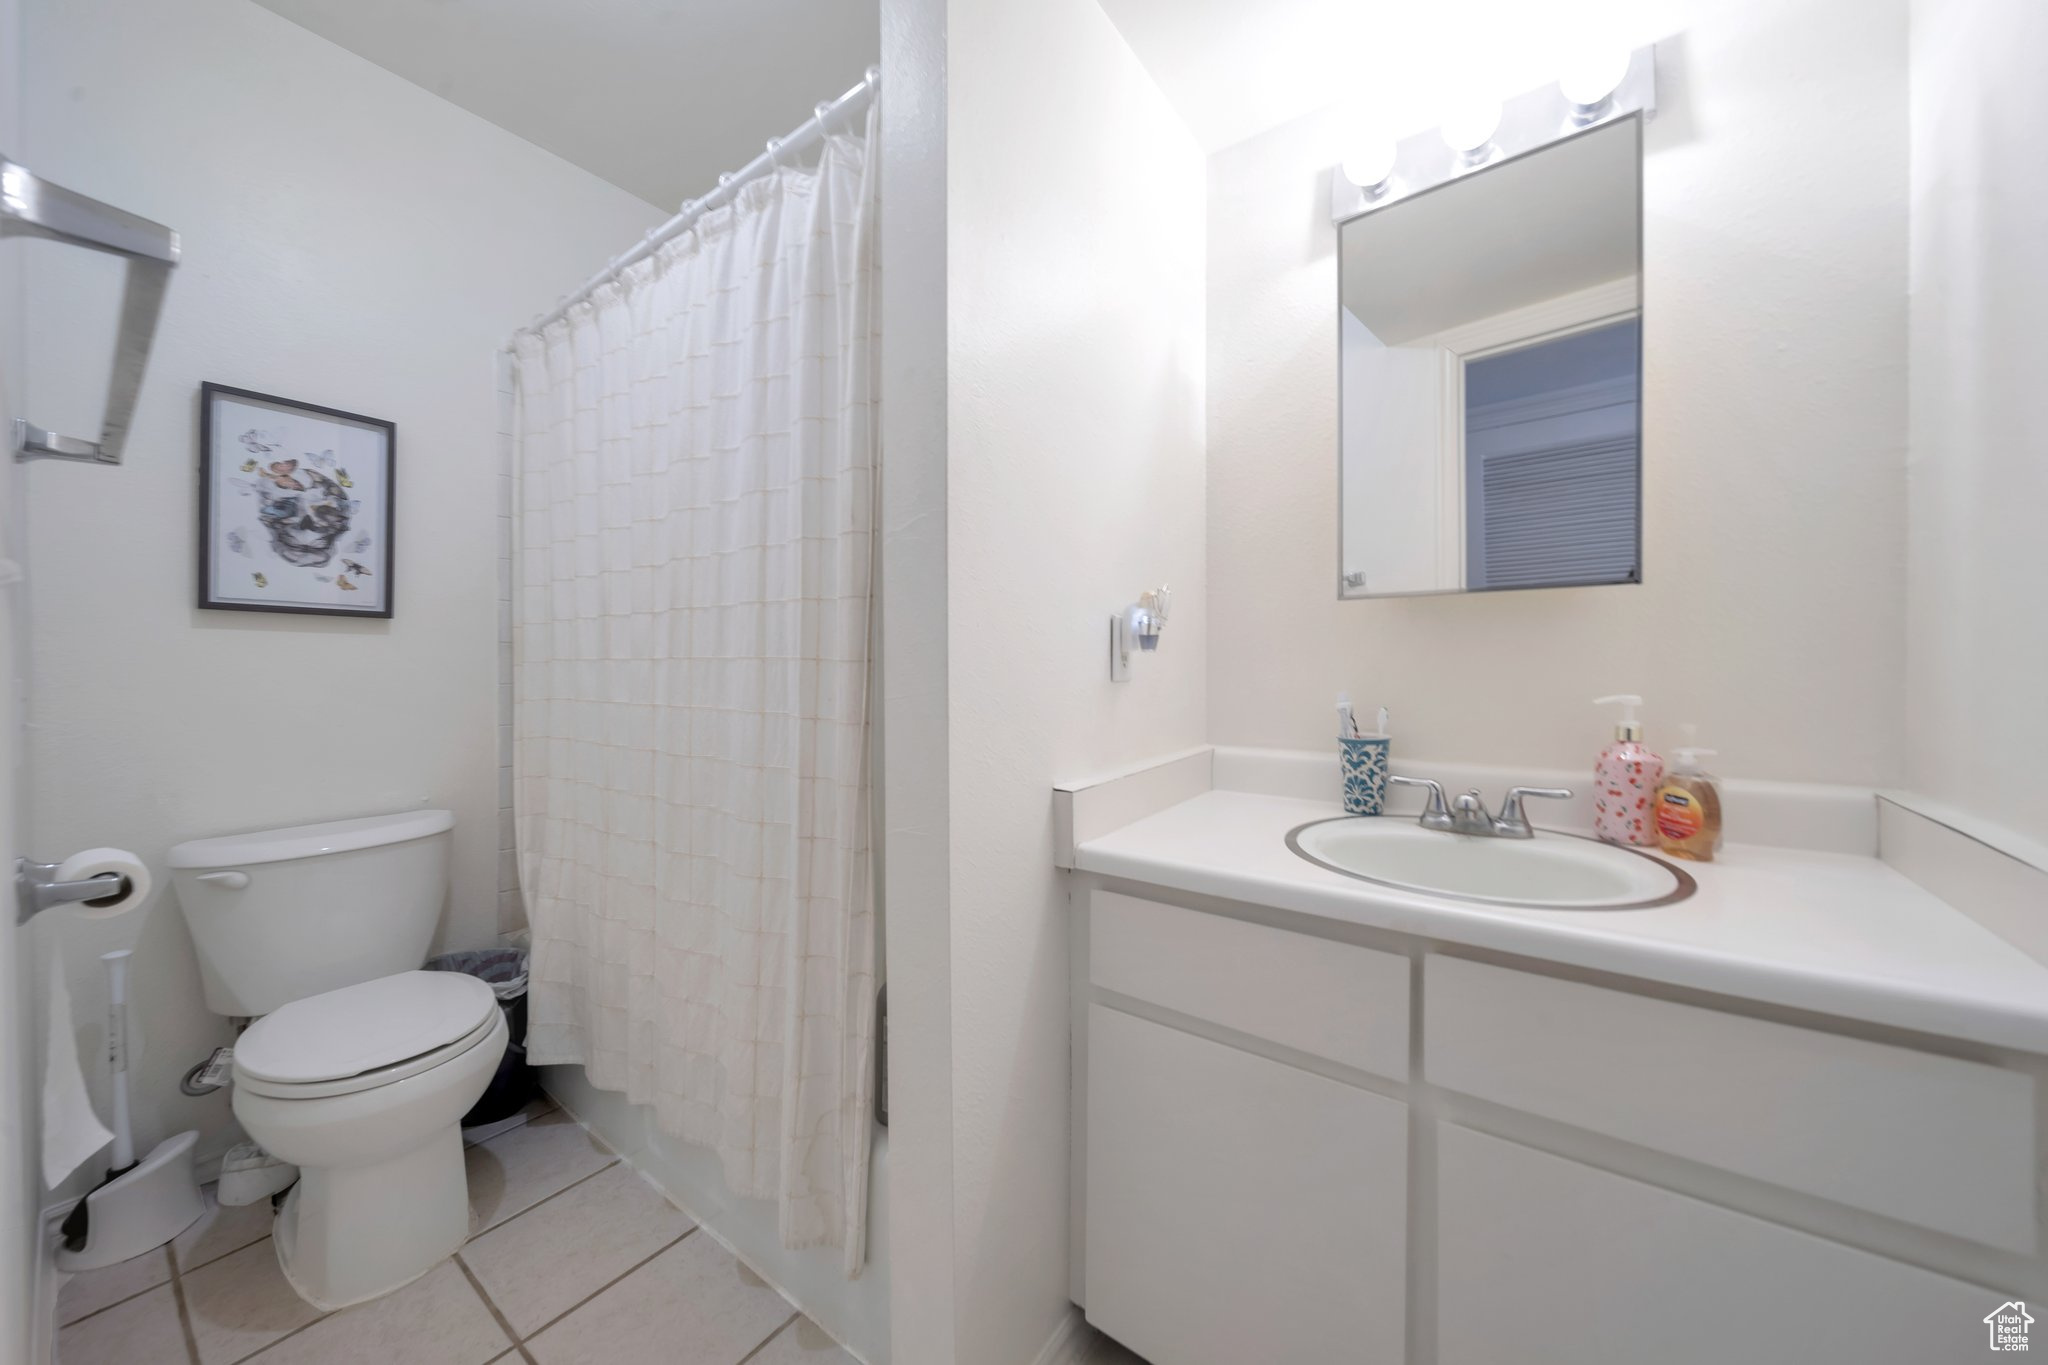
(1943, 1143)
(1543, 1259)
(1240, 1210)
(1334, 1000)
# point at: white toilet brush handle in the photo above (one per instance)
(117, 1055)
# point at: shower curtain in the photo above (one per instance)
(696, 468)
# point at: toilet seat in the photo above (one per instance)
(364, 1036)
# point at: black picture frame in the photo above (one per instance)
(299, 499)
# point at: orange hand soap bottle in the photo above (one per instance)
(1687, 811)
(1626, 776)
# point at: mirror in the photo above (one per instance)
(1490, 382)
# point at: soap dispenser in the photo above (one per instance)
(1625, 777)
(1687, 811)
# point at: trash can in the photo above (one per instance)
(504, 971)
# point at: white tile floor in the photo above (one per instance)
(572, 1258)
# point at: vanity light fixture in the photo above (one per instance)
(1590, 80)
(1369, 164)
(1469, 128)
(1481, 129)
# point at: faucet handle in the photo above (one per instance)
(1511, 823)
(1436, 815)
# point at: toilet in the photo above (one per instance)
(358, 1066)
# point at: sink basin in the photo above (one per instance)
(1548, 872)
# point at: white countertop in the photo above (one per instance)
(1829, 932)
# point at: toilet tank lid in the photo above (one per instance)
(309, 841)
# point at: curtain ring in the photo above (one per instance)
(775, 152)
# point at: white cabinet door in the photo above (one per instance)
(1938, 1141)
(1543, 1259)
(1240, 1210)
(1334, 1000)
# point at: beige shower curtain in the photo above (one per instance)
(695, 544)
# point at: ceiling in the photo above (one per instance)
(656, 96)
(1234, 68)
(659, 96)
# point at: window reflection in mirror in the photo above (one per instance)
(1491, 357)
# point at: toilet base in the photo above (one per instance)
(346, 1234)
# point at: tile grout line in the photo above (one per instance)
(177, 1283)
(456, 1257)
(606, 1285)
(287, 1336)
(201, 1265)
(491, 1306)
(176, 1278)
(509, 1219)
(529, 1118)
(762, 1345)
(87, 1317)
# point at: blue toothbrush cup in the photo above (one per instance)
(1364, 762)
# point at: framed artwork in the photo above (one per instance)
(295, 506)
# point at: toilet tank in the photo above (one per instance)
(281, 914)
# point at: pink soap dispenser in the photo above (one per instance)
(1625, 781)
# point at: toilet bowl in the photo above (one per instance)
(359, 1066)
(363, 1088)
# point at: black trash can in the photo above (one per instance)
(504, 971)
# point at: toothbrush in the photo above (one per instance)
(1382, 734)
(1347, 724)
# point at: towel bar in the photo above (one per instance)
(33, 207)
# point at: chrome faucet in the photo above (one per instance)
(1467, 813)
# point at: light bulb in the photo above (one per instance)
(1591, 76)
(1369, 161)
(1470, 126)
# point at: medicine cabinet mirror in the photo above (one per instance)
(1490, 352)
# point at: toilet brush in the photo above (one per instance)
(77, 1223)
(140, 1204)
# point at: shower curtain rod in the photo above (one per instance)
(800, 140)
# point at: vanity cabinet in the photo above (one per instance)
(1544, 1259)
(1229, 1193)
(1935, 1141)
(1239, 1170)
(1346, 1146)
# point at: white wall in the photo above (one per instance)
(350, 240)
(1074, 314)
(1977, 476)
(20, 1109)
(1774, 417)
(913, 799)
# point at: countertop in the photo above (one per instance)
(1829, 932)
